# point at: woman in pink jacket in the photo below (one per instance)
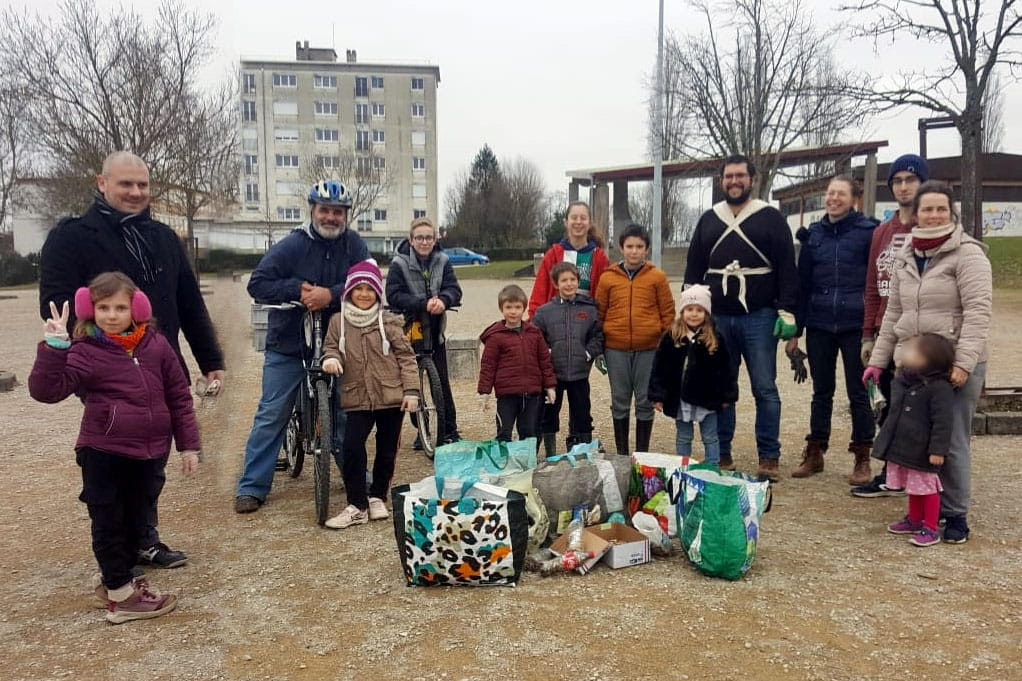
(941, 283)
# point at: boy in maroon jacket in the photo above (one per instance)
(907, 172)
(516, 365)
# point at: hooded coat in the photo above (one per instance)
(411, 283)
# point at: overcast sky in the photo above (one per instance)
(559, 82)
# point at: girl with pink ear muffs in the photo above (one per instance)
(136, 399)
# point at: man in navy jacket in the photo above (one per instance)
(309, 265)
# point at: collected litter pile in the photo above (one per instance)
(491, 507)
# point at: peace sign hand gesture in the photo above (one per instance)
(56, 325)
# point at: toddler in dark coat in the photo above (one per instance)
(916, 437)
(692, 377)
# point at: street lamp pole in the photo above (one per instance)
(658, 160)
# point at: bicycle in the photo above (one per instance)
(310, 426)
(430, 418)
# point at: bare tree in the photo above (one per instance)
(978, 36)
(365, 175)
(758, 81)
(203, 173)
(14, 144)
(993, 116)
(527, 205)
(100, 82)
(678, 218)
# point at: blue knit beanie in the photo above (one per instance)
(909, 163)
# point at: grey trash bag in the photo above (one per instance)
(564, 482)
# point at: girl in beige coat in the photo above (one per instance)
(380, 383)
(942, 284)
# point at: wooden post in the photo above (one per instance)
(869, 185)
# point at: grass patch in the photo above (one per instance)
(1006, 261)
(495, 270)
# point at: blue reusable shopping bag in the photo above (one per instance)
(467, 460)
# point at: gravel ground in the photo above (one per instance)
(271, 596)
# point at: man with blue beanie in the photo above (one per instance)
(906, 174)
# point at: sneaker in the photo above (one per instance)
(767, 470)
(247, 504)
(877, 488)
(348, 517)
(417, 444)
(726, 462)
(162, 556)
(452, 437)
(925, 537)
(377, 509)
(142, 604)
(100, 597)
(905, 526)
(956, 530)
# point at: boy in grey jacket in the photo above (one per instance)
(572, 329)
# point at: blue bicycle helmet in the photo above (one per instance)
(330, 193)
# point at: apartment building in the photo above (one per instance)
(370, 125)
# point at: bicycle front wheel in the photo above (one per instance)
(323, 450)
(431, 415)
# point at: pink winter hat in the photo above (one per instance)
(365, 272)
(696, 294)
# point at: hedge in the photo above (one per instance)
(17, 269)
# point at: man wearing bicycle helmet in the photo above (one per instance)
(309, 265)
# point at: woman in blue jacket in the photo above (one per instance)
(832, 276)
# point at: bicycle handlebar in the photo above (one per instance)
(288, 305)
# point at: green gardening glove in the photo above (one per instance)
(785, 327)
(601, 364)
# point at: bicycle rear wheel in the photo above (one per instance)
(430, 415)
(294, 444)
(323, 450)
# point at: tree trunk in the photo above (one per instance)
(192, 255)
(970, 129)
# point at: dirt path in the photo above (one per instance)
(270, 596)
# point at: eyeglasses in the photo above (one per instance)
(423, 239)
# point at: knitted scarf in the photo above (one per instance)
(128, 340)
(361, 319)
(134, 241)
(925, 240)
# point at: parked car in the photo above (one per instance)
(463, 256)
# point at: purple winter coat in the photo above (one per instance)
(133, 403)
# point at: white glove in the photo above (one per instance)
(56, 325)
(865, 350)
(484, 402)
(551, 395)
(332, 365)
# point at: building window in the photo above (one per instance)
(285, 108)
(379, 162)
(361, 86)
(418, 213)
(379, 215)
(251, 192)
(361, 140)
(378, 137)
(288, 161)
(419, 138)
(248, 83)
(329, 161)
(379, 110)
(377, 82)
(249, 139)
(326, 134)
(326, 108)
(418, 110)
(418, 163)
(285, 134)
(417, 84)
(285, 80)
(363, 164)
(289, 213)
(248, 111)
(251, 164)
(418, 191)
(324, 81)
(361, 113)
(365, 224)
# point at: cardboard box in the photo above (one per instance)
(590, 542)
(626, 546)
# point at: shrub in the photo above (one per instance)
(16, 269)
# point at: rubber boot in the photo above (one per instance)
(621, 436)
(861, 474)
(643, 431)
(550, 444)
(812, 459)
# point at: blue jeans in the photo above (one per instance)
(751, 337)
(282, 376)
(707, 431)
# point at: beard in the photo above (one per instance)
(740, 199)
(327, 231)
